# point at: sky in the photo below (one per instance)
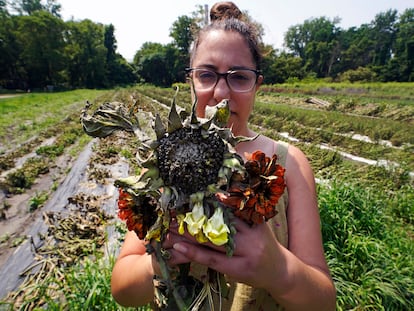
(137, 22)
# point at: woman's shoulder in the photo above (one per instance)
(291, 157)
(263, 143)
(271, 146)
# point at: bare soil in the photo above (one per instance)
(17, 217)
(8, 95)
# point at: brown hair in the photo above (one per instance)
(227, 16)
(222, 10)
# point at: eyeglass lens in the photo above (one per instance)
(237, 80)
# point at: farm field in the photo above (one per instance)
(58, 228)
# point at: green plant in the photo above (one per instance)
(87, 287)
(50, 151)
(23, 178)
(38, 200)
(18, 180)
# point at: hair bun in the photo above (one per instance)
(224, 10)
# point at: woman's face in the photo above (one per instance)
(221, 51)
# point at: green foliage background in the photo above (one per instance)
(39, 50)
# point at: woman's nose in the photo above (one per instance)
(221, 90)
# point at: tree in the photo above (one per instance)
(383, 34)
(118, 71)
(28, 7)
(316, 43)
(278, 67)
(110, 42)
(110, 45)
(157, 63)
(182, 31)
(9, 51)
(41, 44)
(86, 54)
(356, 48)
(53, 7)
(401, 64)
(3, 8)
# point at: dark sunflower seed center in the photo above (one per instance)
(190, 161)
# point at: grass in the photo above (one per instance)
(369, 250)
(367, 212)
(291, 118)
(37, 112)
(85, 286)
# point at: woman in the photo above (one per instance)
(276, 265)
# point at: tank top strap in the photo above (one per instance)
(281, 150)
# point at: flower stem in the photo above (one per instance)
(165, 274)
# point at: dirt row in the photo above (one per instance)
(23, 231)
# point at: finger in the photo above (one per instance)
(175, 237)
(208, 257)
(177, 258)
(240, 225)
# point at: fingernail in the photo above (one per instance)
(179, 247)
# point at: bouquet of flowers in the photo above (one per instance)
(193, 175)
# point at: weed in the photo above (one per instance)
(18, 180)
(38, 200)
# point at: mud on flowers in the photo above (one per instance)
(192, 174)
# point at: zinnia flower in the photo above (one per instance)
(139, 213)
(254, 199)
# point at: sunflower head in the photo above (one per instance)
(190, 152)
(188, 155)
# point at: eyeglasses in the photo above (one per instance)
(238, 80)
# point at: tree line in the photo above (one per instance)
(39, 50)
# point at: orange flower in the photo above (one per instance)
(138, 213)
(254, 199)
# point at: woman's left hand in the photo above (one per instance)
(254, 261)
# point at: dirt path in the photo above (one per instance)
(9, 95)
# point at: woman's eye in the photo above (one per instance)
(239, 76)
(206, 75)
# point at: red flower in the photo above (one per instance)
(254, 199)
(139, 213)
